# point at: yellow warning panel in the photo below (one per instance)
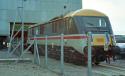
(98, 40)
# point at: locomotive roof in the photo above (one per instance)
(81, 12)
(85, 12)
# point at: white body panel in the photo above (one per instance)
(77, 43)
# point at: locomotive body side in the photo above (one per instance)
(76, 41)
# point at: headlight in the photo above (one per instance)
(4, 43)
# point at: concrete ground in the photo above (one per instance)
(24, 69)
(10, 68)
(28, 68)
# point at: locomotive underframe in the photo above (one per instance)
(73, 56)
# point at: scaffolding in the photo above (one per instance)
(18, 44)
(12, 38)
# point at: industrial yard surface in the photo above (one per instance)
(23, 69)
(28, 68)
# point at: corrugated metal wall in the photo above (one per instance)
(35, 11)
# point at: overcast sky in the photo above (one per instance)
(115, 9)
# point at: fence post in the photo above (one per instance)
(46, 51)
(38, 57)
(89, 54)
(62, 54)
(36, 52)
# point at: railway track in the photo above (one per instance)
(109, 70)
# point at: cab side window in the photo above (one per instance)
(70, 26)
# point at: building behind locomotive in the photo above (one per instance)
(75, 27)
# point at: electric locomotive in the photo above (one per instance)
(75, 26)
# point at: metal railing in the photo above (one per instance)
(62, 69)
(61, 57)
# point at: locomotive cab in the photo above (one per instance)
(103, 43)
(99, 26)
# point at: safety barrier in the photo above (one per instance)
(37, 58)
